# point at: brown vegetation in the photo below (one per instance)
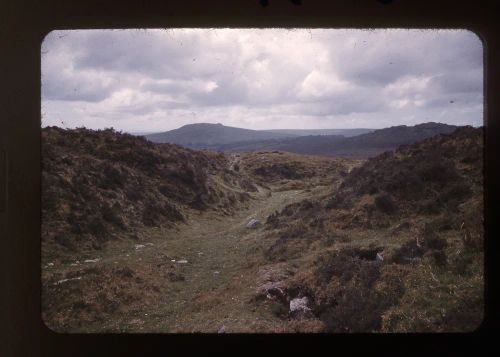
(420, 207)
(392, 244)
(100, 185)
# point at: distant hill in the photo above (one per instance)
(305, 132)
(360, 146)
(353, 143)
(206, 135)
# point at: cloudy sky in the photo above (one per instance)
(156, 80)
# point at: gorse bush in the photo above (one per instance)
(385, 203)
(355, 303)
(435, 169)
(112, 215)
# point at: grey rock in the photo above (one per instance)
(299, 304)
(299, 308)
(253, 223)
(380, 257)
(65, 280)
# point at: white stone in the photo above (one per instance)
(380, 257)
(65, 280)
(91, 260)
(139, 246)
(299, 304)
(182, 261)
(253, 223)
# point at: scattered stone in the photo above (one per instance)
(139, 246)
(65, 280)
(92, 260)
(216, 272)
(299, 307)
(253, 223)
(222, 329)
(50, 264)
(380, 257)
(136, 322)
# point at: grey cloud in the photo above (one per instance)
(153, 74)
(74, 89)
(464, 81)
(137, 52)
(384, 58)
(359, 101)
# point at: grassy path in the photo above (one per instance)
(215, 286)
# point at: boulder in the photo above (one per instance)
(299, 307)
(299, 304)
(253, 223)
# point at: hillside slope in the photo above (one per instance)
(421, 208)
(98, 185)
